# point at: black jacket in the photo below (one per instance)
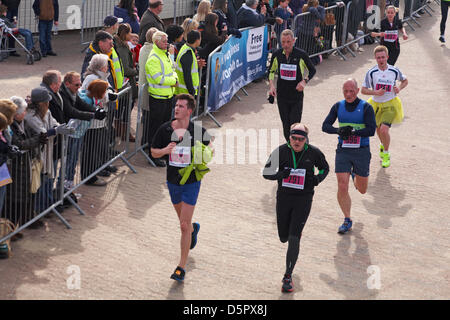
(307, 159)
(77, 109)
(248, 18)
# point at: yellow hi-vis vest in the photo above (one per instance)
(160, 75)
(185, 49)
(117, 69)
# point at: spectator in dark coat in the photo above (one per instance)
(222, 10)
(141, 6)
(210, 36)
(150, 19)
(247, 15)
(127, 11)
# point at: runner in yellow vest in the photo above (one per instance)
(187, 66)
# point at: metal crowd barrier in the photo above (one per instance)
(93, 12)
(412, 7)
(183, 9)
(35, 193)
(70, 161)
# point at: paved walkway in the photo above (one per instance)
(127, 245)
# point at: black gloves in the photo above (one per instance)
(345, 132)
(99, 114)
(112, 96)
(271, 99)
(286, 172)
(13, 151)
(238, 34)
(43, 138)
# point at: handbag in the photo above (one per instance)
(36, 168)
(330, 19)
(6, 227)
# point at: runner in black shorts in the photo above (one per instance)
(173, 142)
(293, 165)
(356, 124)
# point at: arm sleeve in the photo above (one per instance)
(36, 8)
(273, 67)
(272, 170)
(322, 165)
(327, 125)
(56, 7)
(367, 81)
(186, 63)
(309, 65)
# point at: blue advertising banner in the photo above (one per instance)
(239, 62)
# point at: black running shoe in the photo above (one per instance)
(196, 226)
(178, 274)
(288, 286)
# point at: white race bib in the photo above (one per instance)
(296, 179)
(391, 35)
(288, 72)
(180, 157)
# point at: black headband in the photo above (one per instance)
(299, 132)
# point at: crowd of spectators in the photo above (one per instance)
(134, 47)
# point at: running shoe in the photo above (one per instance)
(178, 274)
(441, 39)
(381, 151)
(346, 226)
(287, 286)
(196, 226)
(386, 160)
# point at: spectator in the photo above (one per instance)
(220, 8)
(143, 56)
(141, 6)
(7, 111)
(270, 17)
(175, 37)
(130, 72)
(39, 121)
(309, 28)
(296, 6)
(210, 36)
(188, 25)
(283, 13)
(19, 207)
(203, 9)
(161, 80)
(48, 13)
(103, 43)
(98, 69)
(29, 43)
(247, 15)
(187, 67)
(135, 47)
(111, 24)
(12, 12)
(94, 147)
(151, 19)
(128, 12)
(232, 8)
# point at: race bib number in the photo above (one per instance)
(288, 72)
(391, 35)
(384, 84)
(296, 179)
(180, 157)
(352, 142)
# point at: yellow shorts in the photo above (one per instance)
(387, 112)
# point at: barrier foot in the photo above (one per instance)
(426, 10)
(237, 97)
(415, 20)
(128, 164)
(244, 91)
(213, 118)
(351, 52)
(410, 25)
(64, 221)
(340, 53)
(76, 206)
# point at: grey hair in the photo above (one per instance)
(20, 103)
(97, 62)
(158, 35)
(50, 77)
(251, 3)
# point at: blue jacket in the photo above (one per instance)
(123, 13)
(37, 8)
(248, 18)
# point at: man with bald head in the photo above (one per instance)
(293, 166)
(356, 124)
(150, 19)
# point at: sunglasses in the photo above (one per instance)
(299, 139)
